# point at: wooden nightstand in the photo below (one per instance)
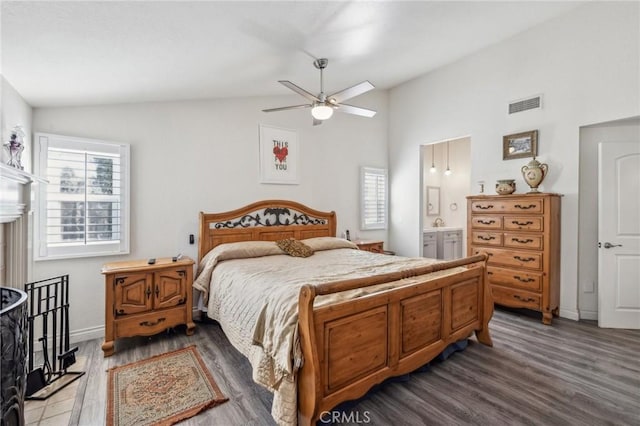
(143, 299)
(369, 245)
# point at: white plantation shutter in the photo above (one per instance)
(83, 210)
(373, 204)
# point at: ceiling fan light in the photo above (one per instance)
(321, 112)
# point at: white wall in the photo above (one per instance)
(197, 156)
(15, 111)
(590, 138)
(584, 63)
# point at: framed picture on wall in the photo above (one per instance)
(279, 153)
(520, 145)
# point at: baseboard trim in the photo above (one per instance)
(569, 314)
(589, 315)
(85, 334)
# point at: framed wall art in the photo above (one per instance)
(520, 145)
(279, 153)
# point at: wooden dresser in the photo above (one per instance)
(372, 246)
(143, 299)
(521, 235)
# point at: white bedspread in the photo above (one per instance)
(255, 300)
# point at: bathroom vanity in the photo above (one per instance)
(442, 243)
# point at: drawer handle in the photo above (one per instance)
(489, 273)
(483, 238)
(151, 324)
(488, 254)
(515, 222)
(527, 241)
(528, 299)
(481, 207)
(486, 222)
(524, 280)
(148, 292)
(524, 259)
(530, 206)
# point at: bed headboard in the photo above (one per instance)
(267, 220)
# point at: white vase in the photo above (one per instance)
(534, 173)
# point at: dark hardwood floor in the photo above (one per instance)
(570, 373)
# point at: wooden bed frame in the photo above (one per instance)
(350, 346)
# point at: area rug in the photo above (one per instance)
(161, 390)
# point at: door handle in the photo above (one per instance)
(608, 245)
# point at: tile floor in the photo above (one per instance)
(55, 410)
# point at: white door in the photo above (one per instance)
(619, 235)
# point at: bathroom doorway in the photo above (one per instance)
(446, 182)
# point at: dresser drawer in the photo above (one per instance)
(534, 205)
(486, 238)
(515, 298)
(520, 259)
(486, 222)
(516, 279)
(150, 323)
(523, 223)
(530, 241)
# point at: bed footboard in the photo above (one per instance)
(350, 346)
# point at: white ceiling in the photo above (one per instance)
(60, 53)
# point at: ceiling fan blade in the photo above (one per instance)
(350, 92)
(287, 107)
(299, 90)
(350, 109)
(317, 122)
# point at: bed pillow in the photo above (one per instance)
(328, 243)
(295, 248)
(228, 251)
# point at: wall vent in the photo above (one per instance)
(525, 104)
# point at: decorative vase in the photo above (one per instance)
(534, 173)
(15, 147)
(506, 186)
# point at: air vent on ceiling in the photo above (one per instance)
(525, 104)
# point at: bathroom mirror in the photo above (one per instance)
(433, 200)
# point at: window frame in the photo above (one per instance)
(377, 171)
(42, 250)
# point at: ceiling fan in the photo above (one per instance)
(322, 106)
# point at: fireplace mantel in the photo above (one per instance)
(13, 185)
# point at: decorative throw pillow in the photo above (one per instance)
(293, 247)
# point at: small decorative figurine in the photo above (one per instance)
(534, 173)
(15, 147)
(506, 186)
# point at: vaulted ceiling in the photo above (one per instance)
(60, 53)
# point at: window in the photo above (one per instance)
(373, 202)
(84, 209)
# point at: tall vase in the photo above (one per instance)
(534, 173)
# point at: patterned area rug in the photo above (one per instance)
(161, 390)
